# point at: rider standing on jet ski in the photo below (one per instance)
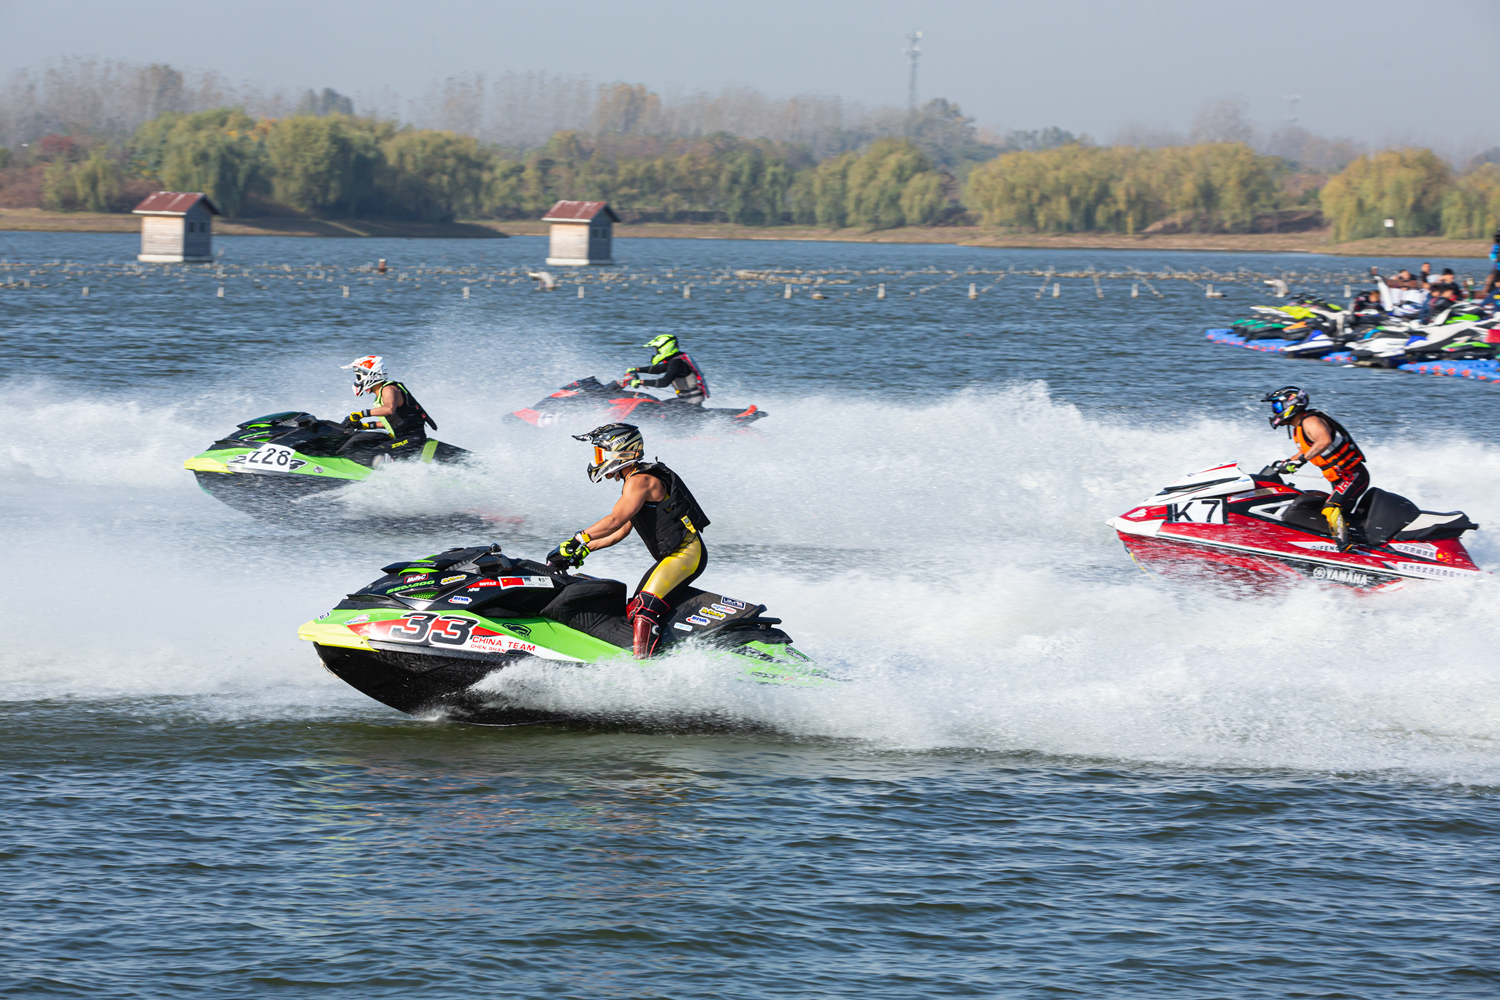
(675, 368)
(653, 501)
(394, 402)
(1324, 442)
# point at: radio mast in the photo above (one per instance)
(913, 52)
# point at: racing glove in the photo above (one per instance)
(1291, 465)
(572, 552)
(352, 421)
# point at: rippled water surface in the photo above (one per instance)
(1043, 774)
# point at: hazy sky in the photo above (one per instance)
(1377, 70)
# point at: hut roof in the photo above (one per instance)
(579, 211)
(174, 203)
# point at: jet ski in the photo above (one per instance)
(269, 462)
(589, 402)
(1229, 527)
(434, 636)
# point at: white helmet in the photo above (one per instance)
(369, 373)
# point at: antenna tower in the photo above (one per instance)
(912, 52)
(1291, 107)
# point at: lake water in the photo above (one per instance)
(1046, 775)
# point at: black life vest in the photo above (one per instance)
(1340, 458)
(666, 525)
(691, 387)
(409, 418)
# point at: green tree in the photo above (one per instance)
(433, 176)
(1406, 185)
(96, 182)
(831, 191)
(922, 199)
(327, 165)
(877, 181)
(58, 192)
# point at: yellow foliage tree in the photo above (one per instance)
(1405, 185)
(1471, 208)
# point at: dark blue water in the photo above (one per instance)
(1045, 775)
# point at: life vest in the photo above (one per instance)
(664, 526)
(409, 418)
(1340, 458)
(691, 387)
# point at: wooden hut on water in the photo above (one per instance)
(582, 233)
(176, 227)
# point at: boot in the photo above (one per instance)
(1338, 527)
(645, 612)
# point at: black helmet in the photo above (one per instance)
(616, 446)
(1286, 403)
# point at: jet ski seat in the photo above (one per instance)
(593, 606)
(1380, 515)
(1306, 512)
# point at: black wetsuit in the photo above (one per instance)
(408, 425)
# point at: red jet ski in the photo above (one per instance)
(1226, 526)
(589, 402)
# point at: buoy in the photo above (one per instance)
(1347, 293)
(687, 291)
(1135, 291)
(818, 295)
(880, 292)
(973, 291)
(85, 291)
(1056, 290)
(580, 291)
(221, 291)
(466, 291)
(346, 290)
(1209, 293)
(788, 293)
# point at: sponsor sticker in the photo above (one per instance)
(698, 620)
(1434, 572)
(460, 600)
(481, 584)
(724, 608)
(414, 579)
(507, 582)
(517, 629)
(1351, 576)
(732, 603)
(358, 620)
(685, 628)
(710, 612)
(324, 615)
(1317, 546)
(452, 579)
(1422, 550)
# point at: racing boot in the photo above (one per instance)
(1338, 527)
(645, 612)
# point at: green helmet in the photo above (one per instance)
(665, 346)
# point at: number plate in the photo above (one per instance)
(268, 458)
(1210, 511)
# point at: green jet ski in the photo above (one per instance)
(268, 465)
(423, 637)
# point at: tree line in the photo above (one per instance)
(329, 163)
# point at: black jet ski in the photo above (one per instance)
(589, 402)
(267, 465)
(433, 636)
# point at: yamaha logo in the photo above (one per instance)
(1354, 577)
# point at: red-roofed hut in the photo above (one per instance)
(176, 227)
(582, 233)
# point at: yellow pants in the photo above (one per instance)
(676, 569)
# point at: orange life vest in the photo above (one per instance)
(1340, 458)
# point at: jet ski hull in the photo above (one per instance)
(1226, 528)
(434, 637)
(588, 402)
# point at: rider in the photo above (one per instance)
(394, 401)
(675, 368)
(1324, 442)
(653, 501)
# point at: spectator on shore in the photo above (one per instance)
(1425, 274)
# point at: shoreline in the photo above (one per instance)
(1310, 242)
